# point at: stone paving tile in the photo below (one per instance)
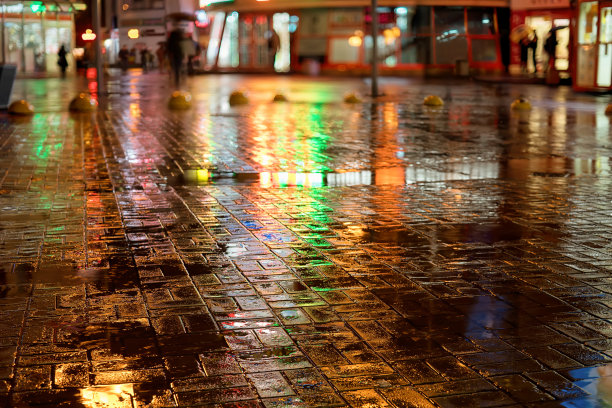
(140, 264)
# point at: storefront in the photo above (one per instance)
(31, 33)
(546, 18)
(594, 46)
(249, 36)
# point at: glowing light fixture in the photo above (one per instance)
(37, 6)
(133, 33)
(355, 41)
(88, 35)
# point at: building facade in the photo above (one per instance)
(32, 32)
(142, 24)
(428, 37)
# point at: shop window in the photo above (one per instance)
(449, 20)
(451, 49)
(484, 50)
(606, 25)
(341, 52)
(481, 21)
(587, 23)
(228, 49)
(313, 23)
(416, 50)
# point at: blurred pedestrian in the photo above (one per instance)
(524, 44)
(273, 46)
(144, 59)
(62, 61)
(533, 46)
(124, 56)
(550, 46)
(160, 52)
(175, 54)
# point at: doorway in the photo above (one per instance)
(543, 25)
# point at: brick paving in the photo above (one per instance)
(309, 254)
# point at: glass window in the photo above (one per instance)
(387, 49)
(313, 23)
(341, 52)
(449, 20)
(451, 49)
(587, 23)
(606, 25)
(420, 22)
(484, 50)
(413, 20)
(480, 21)
(416, 50)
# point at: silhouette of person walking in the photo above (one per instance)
(124, 55)
(273, 46)
(62, 61)
(175, 54)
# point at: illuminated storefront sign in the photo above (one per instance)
(205, 3)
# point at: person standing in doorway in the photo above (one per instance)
(273, 46)
(175, 54)
(524, 45)
(62, 61)
(550, 46)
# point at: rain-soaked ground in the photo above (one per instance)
(309, 253)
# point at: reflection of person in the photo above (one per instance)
(175, 54)
(604, 385)
(273, 46)
(62, 61)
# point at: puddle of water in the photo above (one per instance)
(596, 381)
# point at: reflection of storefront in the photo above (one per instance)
(594, 46)
(546, 18)
(411, 38)
(33, 32)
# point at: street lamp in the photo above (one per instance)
(374, 15)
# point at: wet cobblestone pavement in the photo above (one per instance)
(306, 254)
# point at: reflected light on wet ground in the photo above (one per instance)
(110, 396)
(311, 253)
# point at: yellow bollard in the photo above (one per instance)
(21, 107)
(433, 100)
(352, 98)
(238, 98)
(179, 100)
(83, 103)
(520, 104)
(279, 98)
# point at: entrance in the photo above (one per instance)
(550, 25)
